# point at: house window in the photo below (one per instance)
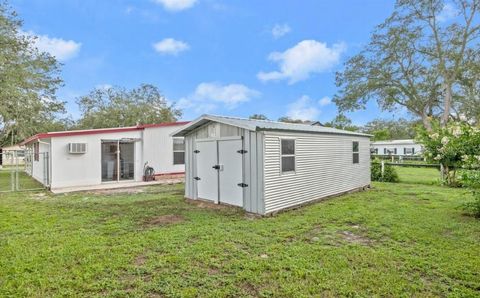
(356, 152)
(36, 151)
(287, 155)
(178, 151)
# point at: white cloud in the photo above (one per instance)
(303, 109)
(61, 49)
(302, 60)
(208, 95)
(324, 101)
(448, 12)
(176, 5)
(170, 46)
(104, 86)
(280, 30)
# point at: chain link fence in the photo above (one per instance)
(22, 170)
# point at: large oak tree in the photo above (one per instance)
(29, 79)
(424, 58)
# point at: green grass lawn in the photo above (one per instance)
(393, 240)
(26, 182)
(418, 175)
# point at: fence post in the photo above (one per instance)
(442, 176)
(12, 172)
(17, 177)
(383, 168)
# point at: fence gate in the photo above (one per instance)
(22, 170)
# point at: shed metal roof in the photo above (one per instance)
(259, 125)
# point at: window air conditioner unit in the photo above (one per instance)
(77, 148)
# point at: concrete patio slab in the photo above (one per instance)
(117, 185)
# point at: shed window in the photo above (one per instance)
(356, 152)
(288, 155)
(36, 151)
(178, 151)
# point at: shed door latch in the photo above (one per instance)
(196, 178)
(216, 167)
(242, 184)
(242, 151)
(196, 151)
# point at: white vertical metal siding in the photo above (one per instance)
(324, 168)
(252, 162)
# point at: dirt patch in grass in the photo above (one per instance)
(163, 220)
(355, 238)
(140, 260)
(249, 289)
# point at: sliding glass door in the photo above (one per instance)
(118, 161)
(127, 161)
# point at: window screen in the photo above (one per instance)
(356, 152)
(36, 151)
(288, 155)
(178, 151)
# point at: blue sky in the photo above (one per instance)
(209, 56)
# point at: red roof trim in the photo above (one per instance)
(96, 131)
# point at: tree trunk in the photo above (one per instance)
(427, 123)
(447, 104)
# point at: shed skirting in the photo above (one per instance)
(311, 202)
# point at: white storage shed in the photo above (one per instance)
(266, 166)
(99, 156)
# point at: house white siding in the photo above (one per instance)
(324, 167)
(158, 150)
(86, 169)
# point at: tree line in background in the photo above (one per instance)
(381, 129)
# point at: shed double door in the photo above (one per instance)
(219, 171)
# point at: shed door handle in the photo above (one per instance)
(216, 167)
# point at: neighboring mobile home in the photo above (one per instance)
(112, 155)
(266, 166)
(396, 147)
(12, 155)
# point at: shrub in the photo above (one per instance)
(471, 180)
(454, 147)
(389, 174)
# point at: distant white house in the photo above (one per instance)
(396, 147)
(98, 156)
(11, 155)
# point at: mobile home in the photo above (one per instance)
(97, 156)
(396, 147)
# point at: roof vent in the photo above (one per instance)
(77, 148)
